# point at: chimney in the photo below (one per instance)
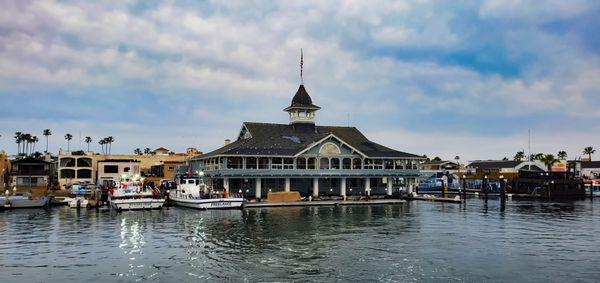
(226, 142)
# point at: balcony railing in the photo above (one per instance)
(312, 173)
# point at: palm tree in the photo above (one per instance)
(102, 142)
(562, 155)
(589, 151)
(46, 134)
(138, 151)
(88, 140)
(27, 142)
(549, 160)
(68, 137)
(34, 140)
(147, 151)
(18, 140)
(519, 156)
(110, 140)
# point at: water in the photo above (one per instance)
(417, 241)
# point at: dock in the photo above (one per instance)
(323, 203)
(438, 199)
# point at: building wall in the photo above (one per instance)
(146, 161)
(4, 171)
(104, 176)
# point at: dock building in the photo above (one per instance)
(311, 159)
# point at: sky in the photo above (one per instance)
(441, 78)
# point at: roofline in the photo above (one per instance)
(311, 107)
(325, 138)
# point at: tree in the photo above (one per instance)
(27, 142)
(18, 140)
(47, 133)
(138, 151)
(549, 160)
(147, 151)
(88, 140)
(589, 151)
(102, 142)
(34, 140)
(68, 137)
(562, 155)
(109, 141)
(505, 159)
(437, 158)
(519, 156)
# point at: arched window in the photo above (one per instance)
(311, 163)
(347, 163)
(335, 163)
(356, 163)
(84, 162)
(301, 163)
(67, 162)
(324, 163)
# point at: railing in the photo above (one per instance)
(312, 172)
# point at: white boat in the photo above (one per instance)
(2, 202)
(130, 194)
(192, 192)
(27, 201)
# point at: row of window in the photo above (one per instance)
(81, 162)
(323, 163)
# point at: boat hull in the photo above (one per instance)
(28, 203)
(82, 203)
(137, 204)
(216, 203)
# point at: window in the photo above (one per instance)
(111, 169)
(356, 163)
(324, 163)
(369, 164)
(263, 163)
(234, 163)
(388, 164)
(84, 162)
(301, 163)
(346, 163)
(288, 163)
(84, 173)
(378, 164)
(335, 163)
(67, 162)
(311, 163)
(250, 162)
(399, 164)
(276, 163)
(126, 169)
(171, 168)
(67, 173)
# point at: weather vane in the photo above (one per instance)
(301, 66)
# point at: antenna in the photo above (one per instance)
(529, 148)
(301, 66)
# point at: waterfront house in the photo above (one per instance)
(441, 166)
(503, 166)
(590, 169)
(311, 159)
(110, 170)
(31, 174)
(4, 171)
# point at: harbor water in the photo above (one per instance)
(533, 241)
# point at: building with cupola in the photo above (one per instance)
(311, 159)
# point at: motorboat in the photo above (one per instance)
(130, 193)
(27, 200)
(84, 195)
(192, 192)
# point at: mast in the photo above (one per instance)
(529, 149)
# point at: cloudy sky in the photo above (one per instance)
(441, 78)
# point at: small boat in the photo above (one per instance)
(2, 202)
(192, 192)
(130, 194)
(27, 201)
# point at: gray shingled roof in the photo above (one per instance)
(302, 100)
(288, 140)
(494, 164)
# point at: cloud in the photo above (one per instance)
(193, 72)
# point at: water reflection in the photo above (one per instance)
(416, 241)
